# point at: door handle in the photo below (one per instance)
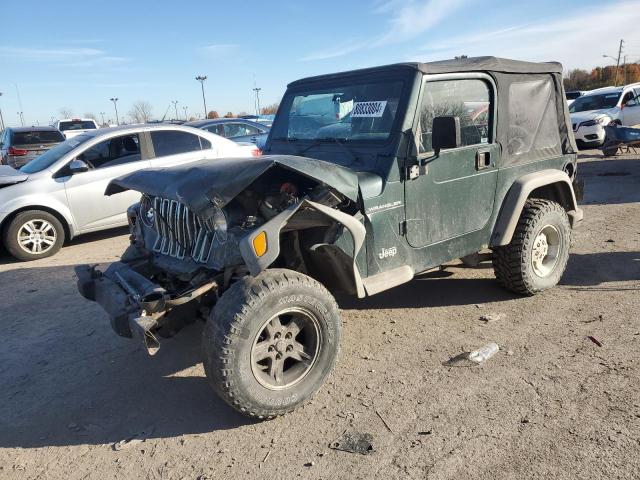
(483, 159)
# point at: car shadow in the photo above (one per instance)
(600, 175)
(596, 269)
(433, 289)
(68, 379)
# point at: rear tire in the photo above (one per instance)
(610, 152)
(33, 234)
(539, 250)
(271, 342)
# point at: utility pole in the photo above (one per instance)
(114, 100)
(102, 115)
(185, 108)
(201, 79)
(615, 83)
(257, 102)
(1, 118)
(175, 107)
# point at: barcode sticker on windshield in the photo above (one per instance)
(368, 109)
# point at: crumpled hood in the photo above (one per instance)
(580, 117)
(9, 176)
(201, 183)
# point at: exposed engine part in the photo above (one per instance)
(325, 196)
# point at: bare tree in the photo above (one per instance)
(140, 111)
(65, 112)
(270, 109)
(229, 115)
(90, 115)
(213, 114)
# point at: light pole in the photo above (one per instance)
(175, 107)
(102, 115)
(201, 79)
(114, 100)
(185, 108)
(257, 90)
(617, 60)
(1, 118)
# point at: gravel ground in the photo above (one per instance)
(551, 404)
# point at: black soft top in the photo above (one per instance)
(473, 64)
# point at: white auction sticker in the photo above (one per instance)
(368, 109)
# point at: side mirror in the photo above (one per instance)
(78, 166)
(445, 133)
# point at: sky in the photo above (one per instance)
(77, 55)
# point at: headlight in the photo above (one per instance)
(595, 121)
(218, 224)
(147, 213)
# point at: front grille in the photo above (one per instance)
(180, 232)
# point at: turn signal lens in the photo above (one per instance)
(260, 244)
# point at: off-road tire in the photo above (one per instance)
(237, 319)
(610, 152)
(512, 263)
(10, 234)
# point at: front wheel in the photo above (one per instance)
(537, 255)
(33, 234)
(271, 342)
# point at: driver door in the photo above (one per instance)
(453, 194)
(631, 108)
(109, 159)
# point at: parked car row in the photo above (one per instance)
(592, 111)
(60, 194)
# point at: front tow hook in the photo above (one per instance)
(142, 327)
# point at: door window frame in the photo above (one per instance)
(152, 152)
(493, 111)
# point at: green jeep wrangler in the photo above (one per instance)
(368, 178)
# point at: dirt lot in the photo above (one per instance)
(550, 404)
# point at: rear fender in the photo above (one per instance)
(549, 184)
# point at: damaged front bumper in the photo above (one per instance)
(136, 306)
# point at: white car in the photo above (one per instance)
(60, 194)
(597, 108)
(70, 127)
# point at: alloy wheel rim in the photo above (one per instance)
(37, 236)
(286, 348)
(546, 251)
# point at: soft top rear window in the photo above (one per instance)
(37, 137)
(77, 125)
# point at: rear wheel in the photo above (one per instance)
(539, 250)
(33, 234)
(271, 342)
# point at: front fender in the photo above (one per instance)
(37, 202)
(274, 226)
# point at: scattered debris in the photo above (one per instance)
(611, 240)
(354, 442)
(426, 432)
(133, 440)
(594, 340)
(266, 456)
(492, 317)
(310, 464)
(384, 421)
(484, 353)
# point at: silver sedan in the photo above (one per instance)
(60, 194)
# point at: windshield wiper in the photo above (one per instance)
(338, 141)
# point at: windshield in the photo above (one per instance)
(37, 137)
(600, 101)
(352, 112)
(77, 125)
(50, 157)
